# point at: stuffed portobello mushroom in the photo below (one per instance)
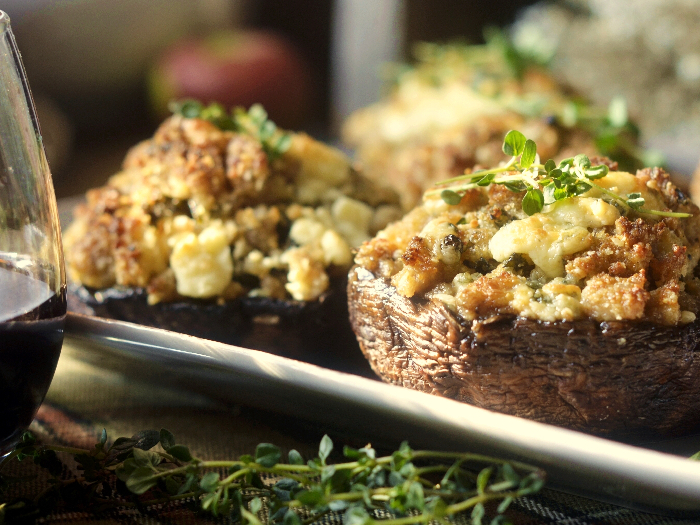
(224, 227)
(449, 110)
(567, 294)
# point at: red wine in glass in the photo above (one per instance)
(31, 335)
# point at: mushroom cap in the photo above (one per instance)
(625, 379)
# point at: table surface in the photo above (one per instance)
(84, 399)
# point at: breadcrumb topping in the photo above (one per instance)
(198, 212)
(578, 258)
(449, 113)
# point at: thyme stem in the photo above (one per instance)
(393, 483)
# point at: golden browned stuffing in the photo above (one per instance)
(201, 212)
(450, 111)
(577, 258)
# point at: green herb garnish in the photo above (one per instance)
(614, 134)
(407, 487)
(253, 122)
(256, 123)
(546, 183)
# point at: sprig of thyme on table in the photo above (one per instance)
(546, 183)
(406, 487)
(254, 122)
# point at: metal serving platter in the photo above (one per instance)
(635, 476)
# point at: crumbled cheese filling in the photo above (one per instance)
(202, 213)
(561, 229)
(578, 258)
(202, 263)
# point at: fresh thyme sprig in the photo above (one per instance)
(407, 487)
(253, 122)
(546, 183)
(256, 123)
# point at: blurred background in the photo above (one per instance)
(102, 71)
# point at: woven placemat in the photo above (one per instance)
(84, 399)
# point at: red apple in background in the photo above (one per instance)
(237, 68)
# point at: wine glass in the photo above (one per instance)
(32, 275)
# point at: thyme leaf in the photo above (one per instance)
(406, 487)
(533, 201)
(544, 184)
(513, 143)
(529, 154)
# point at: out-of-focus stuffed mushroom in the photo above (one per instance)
(450, 110)
(225, 227)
